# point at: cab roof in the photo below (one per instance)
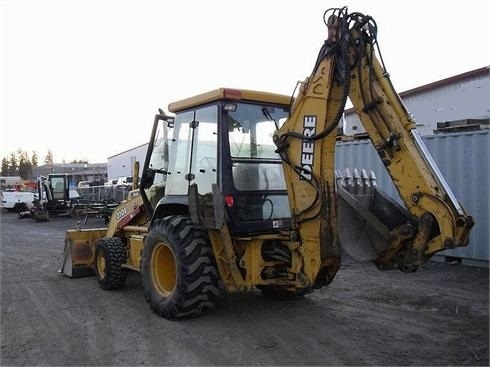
(229, 94)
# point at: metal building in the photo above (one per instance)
(121, 164)
(459, 98)
(93, 172)
(455, 104)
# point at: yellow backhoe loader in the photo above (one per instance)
(238, 189)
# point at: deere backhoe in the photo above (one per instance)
(238, 189)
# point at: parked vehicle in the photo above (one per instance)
(126, 181)
(17, 201)
(84, 184)
(110, 183)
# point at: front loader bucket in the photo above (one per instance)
(365, 215)
(79, 250)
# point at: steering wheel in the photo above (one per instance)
(208, 162)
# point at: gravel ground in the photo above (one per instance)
(436, 316)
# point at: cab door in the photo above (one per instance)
(193, 151)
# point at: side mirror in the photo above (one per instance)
(164, 117)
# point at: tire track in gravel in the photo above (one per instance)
(438, 315)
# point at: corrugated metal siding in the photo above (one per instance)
(464, 160)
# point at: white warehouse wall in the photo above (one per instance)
(122, 164)
(460, 97)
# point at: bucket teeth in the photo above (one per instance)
(366, 184)
(340, 178)
(372, 178)
(357, 181)
(347, 177)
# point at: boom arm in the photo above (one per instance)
(347, 67)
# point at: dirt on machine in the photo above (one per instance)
(239, 189)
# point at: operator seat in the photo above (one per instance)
(58, 192)
(250, 177)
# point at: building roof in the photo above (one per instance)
(128, 150)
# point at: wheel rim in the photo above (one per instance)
(101, 265)
(164, 269)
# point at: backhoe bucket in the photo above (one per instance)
(365, 215)
(79, 250)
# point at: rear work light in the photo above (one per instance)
(229, 201)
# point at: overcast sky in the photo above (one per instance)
(85, 78)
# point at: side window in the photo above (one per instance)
(205, 163)
(179, 153)
(159, 156)
(58, 187)
(194, 133)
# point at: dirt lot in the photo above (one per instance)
(437, 316)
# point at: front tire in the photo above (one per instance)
(178, 272)
(110, 254)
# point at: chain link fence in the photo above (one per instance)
(103, 194)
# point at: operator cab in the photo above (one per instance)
(222, 137)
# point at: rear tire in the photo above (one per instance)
(178, 271)
(20, 207)
(110, 254)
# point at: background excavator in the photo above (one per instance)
(238, 190)
(53, 198)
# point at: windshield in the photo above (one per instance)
(251, 128)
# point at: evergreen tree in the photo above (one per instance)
(5, 167)
(49, 158)
(12, 164)
(25, 166)
(34, 159)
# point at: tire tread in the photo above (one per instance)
(197, 284)
(115, 256)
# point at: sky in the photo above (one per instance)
(84, 79)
